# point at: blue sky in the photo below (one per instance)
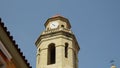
(95, 23)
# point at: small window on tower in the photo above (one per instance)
(66, 50)
(62, 26)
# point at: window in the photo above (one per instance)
(62, 26)
(51, 54)
(66, 50)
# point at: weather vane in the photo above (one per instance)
(112, 62)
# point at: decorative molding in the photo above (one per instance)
(4, 50)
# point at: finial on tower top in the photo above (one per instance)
(57, 15)
(112, 64)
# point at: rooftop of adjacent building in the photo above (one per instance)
(14, 43)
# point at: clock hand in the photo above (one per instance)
(53, 24)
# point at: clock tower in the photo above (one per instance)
(57, 46)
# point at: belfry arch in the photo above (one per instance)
(51, 54)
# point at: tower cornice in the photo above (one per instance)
(57, 33)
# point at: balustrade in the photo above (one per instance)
(56, 30)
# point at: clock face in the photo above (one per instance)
(54, 24)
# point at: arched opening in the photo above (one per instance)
(51, 54)
(62, 26)
(66, 50)
(39, 50)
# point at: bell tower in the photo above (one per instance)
(57, 46)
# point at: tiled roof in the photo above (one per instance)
(14, 42)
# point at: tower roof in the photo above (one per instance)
(58, 17)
